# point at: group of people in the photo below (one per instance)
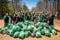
(36, 17)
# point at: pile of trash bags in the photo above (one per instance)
(28, 28)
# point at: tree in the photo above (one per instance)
(38, 7)
(16, 4)
(3, 7)
(24, 8)
(46, 1)
(58, 8)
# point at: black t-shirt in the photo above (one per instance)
(14, 18)
(18, 19)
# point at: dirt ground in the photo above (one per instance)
(53, 37)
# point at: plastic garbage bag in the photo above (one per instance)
(32, 34)
(3, 30)
(16, 34)
(9, 25)
(11, 33)
(20, 24)
(42, 32)
(54, 32)
(35, 30)
(25, 28)
(47, 32)
(42, 24)
(30, 27)
(15, 28)
(26, 33)
(21, 35)
(31, 23)
(38, 34)
(51, 27)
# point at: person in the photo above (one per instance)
(25, 17)
(28, 16)
(51, 19)
(44, 19)
(14, 18)
(17, 18)
(38, 17)
(11, 16)
(22, 17)
(6, 19)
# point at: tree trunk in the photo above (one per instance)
(58, 8)
(46, 5)
(50, 6)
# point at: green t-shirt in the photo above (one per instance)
(6, 18)
(39, 18)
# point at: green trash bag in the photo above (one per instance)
(3, 30)
(30, 27)
(31, 23)
(11, 33)
(9, 25)
(16, 34)
(20, 24)
(25, 28)
(47, 32)
(21, 35)
(26, 33)
(51, 27)
(40, 28)
(25, 22)
(15, 28)
(54, 32)
(35, 30)
(42, 32)
(42, 24)
(38, 34)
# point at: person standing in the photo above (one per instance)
(17, 18)
(11, 16)
(14, 19)
(51, 19)
(6, 19)
(38, 18)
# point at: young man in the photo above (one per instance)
(18, 18)
(51, 19)
(6, 19)
(22, 17)
(14, 19)
(11, 16)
